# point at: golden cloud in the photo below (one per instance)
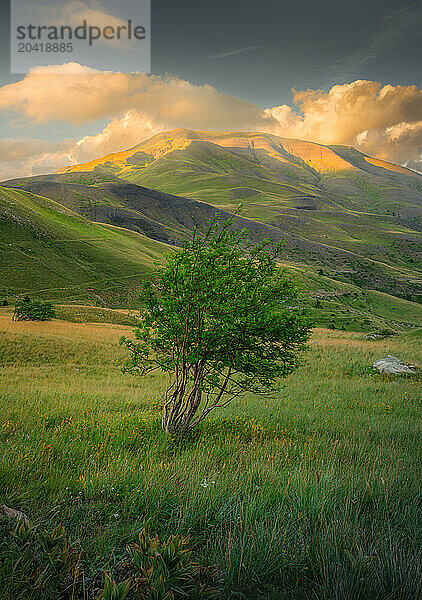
(25, 157)
(383, 120)
(45, 94)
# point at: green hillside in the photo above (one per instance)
(48, 251)
(376, 214)
(359, 216)
(352, 225)
(51, 252)
(377, 254)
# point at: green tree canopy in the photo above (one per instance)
(222, 319)
(31, 310)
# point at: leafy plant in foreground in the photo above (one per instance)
(114, 591)
(222, 319)
(39, 563)
(165, 570)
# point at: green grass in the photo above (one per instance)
(333, 302)
(313, 493)
(95, 314)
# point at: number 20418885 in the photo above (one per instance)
(45, 47)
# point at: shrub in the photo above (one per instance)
(29, 310)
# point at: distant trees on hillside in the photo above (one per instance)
(31, 310)
(222, 319)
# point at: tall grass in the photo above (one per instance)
(314, 493)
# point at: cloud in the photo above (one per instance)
(86, 94)
(381, 120)
(25, 157)
(120, 134)
(138, 106)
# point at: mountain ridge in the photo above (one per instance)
(361, 225)
(295, 147)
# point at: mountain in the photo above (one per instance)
(358, 217)
(225, 167)
(350, 222)
(160, 216)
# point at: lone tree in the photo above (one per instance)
(220, 318)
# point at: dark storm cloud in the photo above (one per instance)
(300, 45)
(403, 24)
(260, 49)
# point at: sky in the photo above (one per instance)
(330, 72)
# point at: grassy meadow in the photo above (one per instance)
(312, 494)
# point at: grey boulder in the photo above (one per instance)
(391, 364)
